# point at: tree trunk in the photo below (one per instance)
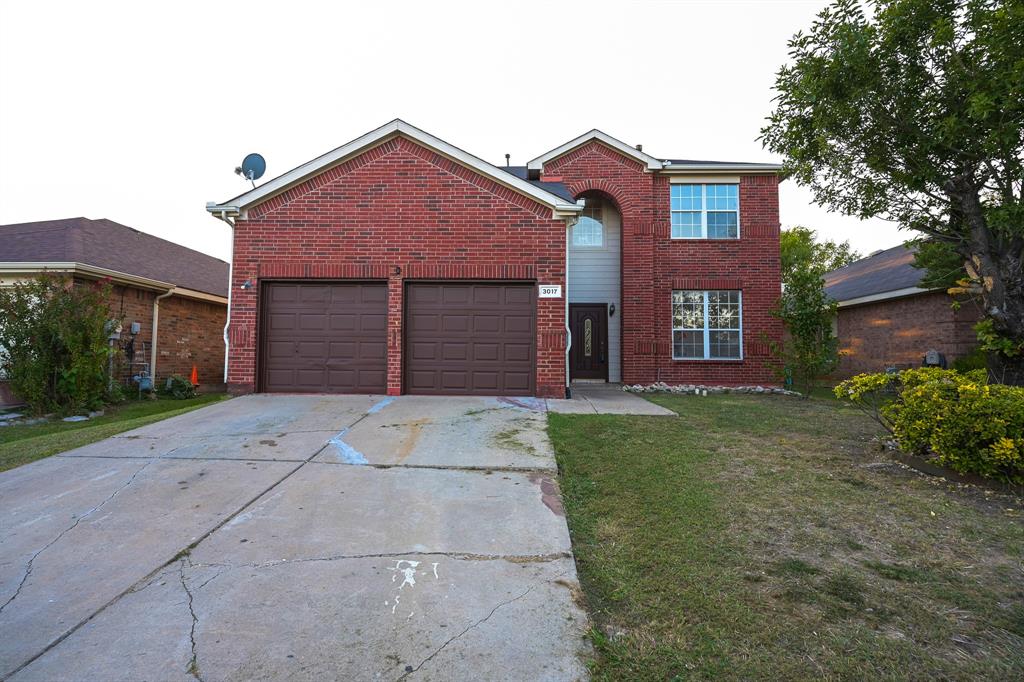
(999, 266)
(1004, 370)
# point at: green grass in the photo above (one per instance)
(23, 444)
(763, 537)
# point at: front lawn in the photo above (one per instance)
(23, 444)
(762, 537)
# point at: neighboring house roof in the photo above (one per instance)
(651, 162)
(106, 245)
(560, 205)
(882, 275)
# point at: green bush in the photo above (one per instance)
(976, 359)
(178, 387)
(53, 343)
(958, 418)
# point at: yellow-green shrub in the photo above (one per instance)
(960, 419)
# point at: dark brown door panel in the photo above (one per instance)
(324, 337)
(470, 339)
(588, 356)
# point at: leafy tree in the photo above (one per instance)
(810, 350)
(800, 250)
(53, 343)
(916, 115)
(943, 266)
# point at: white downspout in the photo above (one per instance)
(231, 267)
(568, 331)
(152, 345)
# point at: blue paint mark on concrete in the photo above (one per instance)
(532, 404)
(346, 452)
(381, 405)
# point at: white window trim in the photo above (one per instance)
(704, 212)
(707, 330)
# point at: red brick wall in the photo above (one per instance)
(190, 333)
(399, 205)
(899, 331)
(653, 265)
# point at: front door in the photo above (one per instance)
(588, 357)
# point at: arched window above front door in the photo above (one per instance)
(589, 229)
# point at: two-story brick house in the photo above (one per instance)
(399, 263)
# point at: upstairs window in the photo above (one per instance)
(706, 325)
(589, 228)
(705, 211)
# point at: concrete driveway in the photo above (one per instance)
(295, 537)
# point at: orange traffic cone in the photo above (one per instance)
(195, 376)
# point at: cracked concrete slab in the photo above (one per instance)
(282, 447)
(351, 510)
(299, 569)
(263, 414)
(123, 520)
(452, 432)
(415, 617)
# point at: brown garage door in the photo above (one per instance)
(470, 339)
(321, 337)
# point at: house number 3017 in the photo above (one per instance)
(551, 291)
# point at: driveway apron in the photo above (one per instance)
(296, 537)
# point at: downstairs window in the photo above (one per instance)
(706, 325)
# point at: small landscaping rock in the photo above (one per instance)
(76, 418)
(702, 390)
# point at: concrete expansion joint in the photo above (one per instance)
(446, 467)
(413, 669)
(32, 560)
(460, 556)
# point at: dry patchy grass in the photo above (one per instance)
(757, 537)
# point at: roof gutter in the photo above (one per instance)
(85, 270)
(724, 168)
(885, 296)
(223, 213)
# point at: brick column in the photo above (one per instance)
(396, 291)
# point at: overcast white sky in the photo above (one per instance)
(139, 112)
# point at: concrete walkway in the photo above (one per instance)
(298, 537)
(605, 399)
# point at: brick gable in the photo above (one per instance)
(653, 264)
(398, 212)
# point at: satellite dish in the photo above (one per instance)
(252, 169)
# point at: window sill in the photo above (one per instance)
(729, 360)
(704, 239)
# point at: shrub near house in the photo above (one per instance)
(54, 343)
(960, 419)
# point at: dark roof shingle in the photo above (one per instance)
(106, 244)
(888, 270)
(557, 188)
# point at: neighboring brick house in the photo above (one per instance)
(886, 319)
(400, 263)
(186, 290)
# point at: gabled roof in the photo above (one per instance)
(882, 275)
(604, 138)
(651, 163)
(397, 127)
(106, 245)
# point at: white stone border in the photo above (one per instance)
(702, 390)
